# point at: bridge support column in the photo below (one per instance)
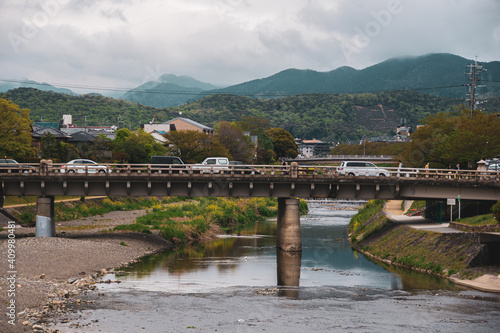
(45, 217)
(288, 238)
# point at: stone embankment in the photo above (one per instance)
(430, 248)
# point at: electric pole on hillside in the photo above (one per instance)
(474, 71)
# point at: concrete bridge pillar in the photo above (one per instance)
(288, 238)
(45, 217)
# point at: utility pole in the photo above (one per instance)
(474, 71)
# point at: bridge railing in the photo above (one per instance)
(289, 171)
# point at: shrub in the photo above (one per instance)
(28, 218)
(496, 211)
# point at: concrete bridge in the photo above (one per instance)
(283, 182)
(340, 158)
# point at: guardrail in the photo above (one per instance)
(294, 171)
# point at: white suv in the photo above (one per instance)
(361, 168)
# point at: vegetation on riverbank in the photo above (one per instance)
(486, 219)
(177, 219)
(72, 210)
(191, 220)
(374, 234)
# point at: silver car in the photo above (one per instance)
(361, 168)
(81, 166)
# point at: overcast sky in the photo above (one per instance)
(124, 43)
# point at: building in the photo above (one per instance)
(313, 148)
(185, 124)
(69, 128)
(39, 130)
(177, 124)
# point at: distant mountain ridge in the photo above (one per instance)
(168, 90)
(436, 74)
(6, 86)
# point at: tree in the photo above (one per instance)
(265, 148)
(238, 144)
(194, 146)
(15, 131)
(284, 144)
(101, 148)
(136, 147)
(449, 139)
(253, 124)
(56, 150)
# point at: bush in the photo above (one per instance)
(28, 218)
(496, 211)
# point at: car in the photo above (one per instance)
(240, 167)
(494, 167)
(361, 168)
(214, 164)
(82, 165)
(167, 162)
(8, 165)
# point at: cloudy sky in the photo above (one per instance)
(124, 43)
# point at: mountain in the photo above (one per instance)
(6, 86)
(168, 90)
(436, 74)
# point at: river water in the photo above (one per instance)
(241, 283)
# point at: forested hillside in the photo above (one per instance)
(336, 117)
(437, 74)
(98, 110)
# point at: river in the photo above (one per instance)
(240, 283)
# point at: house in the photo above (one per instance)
(39, 130)
(177, 124)
(183, 124)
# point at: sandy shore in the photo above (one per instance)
(45, 266)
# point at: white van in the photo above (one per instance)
(361, 168)
(215, 164)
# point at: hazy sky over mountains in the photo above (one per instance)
(124, 43)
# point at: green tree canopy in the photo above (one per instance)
(284, 144)
(56, 150)
(450, 139)
(238, 144)
(15, 131)
(194, 146)
(136, 147)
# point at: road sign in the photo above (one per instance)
(451, 202)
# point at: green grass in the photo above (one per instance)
(479, 220)
(362, 224)
(417, 204)
(187, 221)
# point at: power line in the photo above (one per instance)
(209, 92)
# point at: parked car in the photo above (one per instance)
(212, 163)
(361, 168)
(167, 162)
(82, 165)
(240, 167)
(12, 166)
(494, 167)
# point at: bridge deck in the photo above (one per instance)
(254, 181)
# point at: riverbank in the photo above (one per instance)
(56, 275)
(378, 232)
(53, 275)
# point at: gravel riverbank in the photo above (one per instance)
(54, 275)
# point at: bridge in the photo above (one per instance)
(340, 158)
(286, 183)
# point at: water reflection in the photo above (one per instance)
(251, 259)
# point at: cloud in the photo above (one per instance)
(124, 42)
